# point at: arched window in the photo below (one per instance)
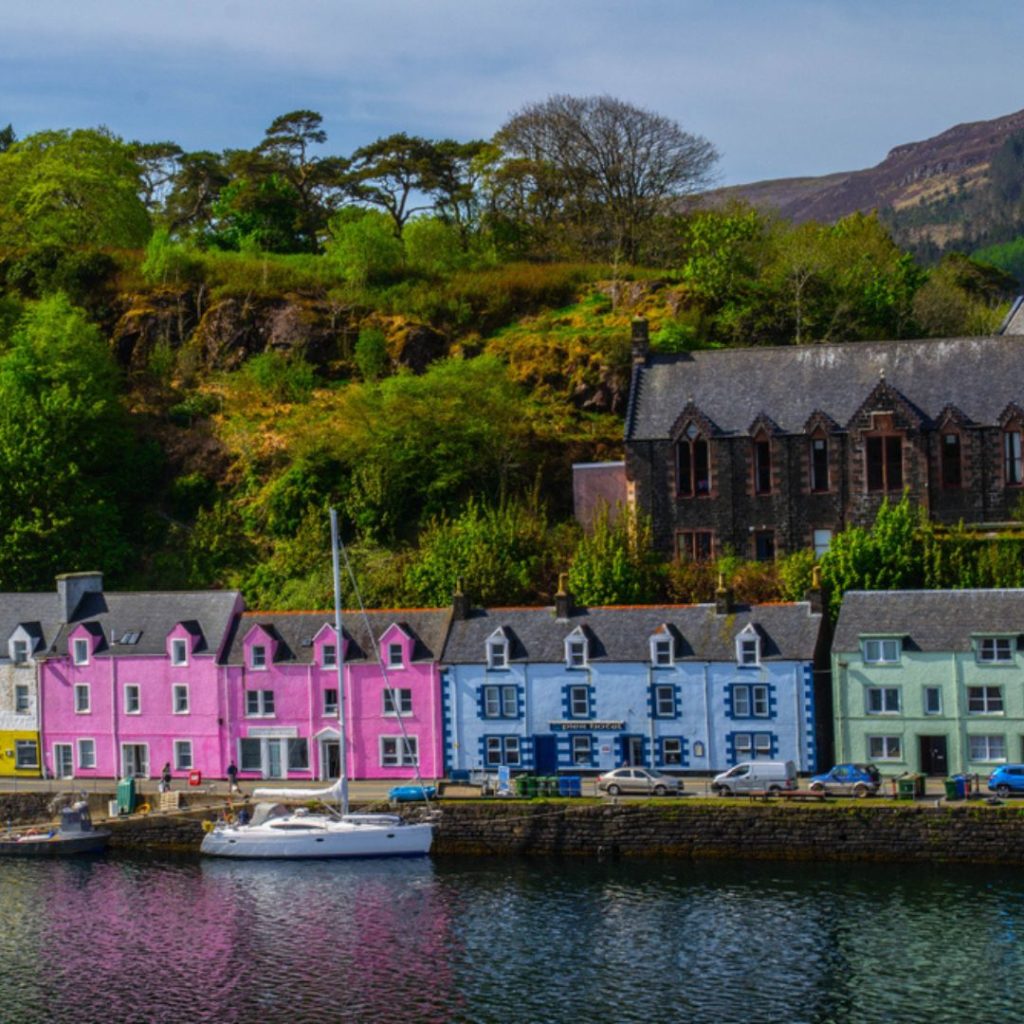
(1013, 468)
(762, 464)
(693, 473)
(819, 463)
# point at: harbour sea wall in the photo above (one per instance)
(927, 831)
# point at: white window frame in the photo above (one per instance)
(748, 647)
(497, 654)
(22, 699)
(882, 700)
(664, 700)
(20, 747)
(179, 651)
(396, 656)
(990, 699)
(86, 763)
(822, 541)
(672, 751)
(575, 693)
(662, 652)
(582, 749)
(929, 690)
(885, 748)
(260, 703)
(404, 695)
(137, 690)
(329, 656)
(330, 705)
(83, 708)
(986, 747)
(19, 652)
(179, 690)
(399, 751)
(576, 652)
(879, 650)
(995, 650)
(80, 651)
(182, 764)
(501, 700)
(258, 658)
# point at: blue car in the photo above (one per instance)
(1007, 779)
(848, 780)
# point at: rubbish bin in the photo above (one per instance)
(126, 796)
(569, 785)
(526, 785)
(962, 786)
(910, 786)
(954, 789)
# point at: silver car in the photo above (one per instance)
(637, 780)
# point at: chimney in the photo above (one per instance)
(641, 346)
(723, 597)
(460, 603)
(563, 599)
(72, 587)
(813, 595)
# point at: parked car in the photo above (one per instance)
(848, 780)
(756, 776)
(1007, 779)
(637, 780)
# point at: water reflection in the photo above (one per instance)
(154, 941)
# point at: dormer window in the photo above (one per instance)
(882, 651)
(395, 656)
(748, 647)
(80, 651)
(576, 651)
(258, 657)
(662, 654)
(995, 650)
(497, 653)
(19, 651)
(329, 657)
(179, 652)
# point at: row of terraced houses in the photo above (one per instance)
(99, 685)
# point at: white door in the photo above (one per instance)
(134, 761)
(63, 763)
(275, 759)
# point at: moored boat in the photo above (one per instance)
(74, 835)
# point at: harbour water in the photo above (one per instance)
(140, 940)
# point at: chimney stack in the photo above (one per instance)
(460, 603)
(813, 596)
(563, 599)
(72, 587)
(641, 342)
(723, 597)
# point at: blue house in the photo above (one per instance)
(682, 688)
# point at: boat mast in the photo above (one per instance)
(339, 661)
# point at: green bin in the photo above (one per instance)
(526, 786)
(126, 796)
(551, 785)
(954, 789)
(910, 786)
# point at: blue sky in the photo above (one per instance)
(781, 87)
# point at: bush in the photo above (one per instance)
(280, 378)
(364, 247)
(371, 353)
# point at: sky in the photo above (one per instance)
(781, 87)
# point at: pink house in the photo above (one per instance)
(132, 681)
(281, 677)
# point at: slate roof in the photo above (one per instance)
(40, 614)
(622, 634)
(980, 376)
(296, 630)
(153, 615)
(929, 620)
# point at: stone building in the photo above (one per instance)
(764, 450)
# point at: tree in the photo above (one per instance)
(614, 563)
(598, 160)
(364, 246)
(7, 138)
(188, 207)
(158, 163)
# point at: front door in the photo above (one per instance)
(275, 759)
(633, 750)
(330, 760)
(933, 755)
(545, 754)
(134, 761)
(63, 765)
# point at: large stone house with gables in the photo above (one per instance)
(764, 450)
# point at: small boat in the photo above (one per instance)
(73, 836)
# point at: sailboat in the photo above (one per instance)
(275, 831)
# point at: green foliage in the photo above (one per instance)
(278, 377)
(962, 297)
(371, 353)
(613, 564)
(364, 248)
(1008, 257)
(795, 574)
(170, 262)
(434, 248)
(44, 269)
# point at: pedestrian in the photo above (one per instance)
(165, 778)
(233, 778)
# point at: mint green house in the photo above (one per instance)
(929, 680)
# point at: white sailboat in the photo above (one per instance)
(276, 831)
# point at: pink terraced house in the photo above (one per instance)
(281, 672)
(133, 681)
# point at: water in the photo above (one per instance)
(139, 940)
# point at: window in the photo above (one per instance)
(132, 699)
(397, 702)
(298, 755)
(501, 702)
(882, 700)
(885, 748)
(984, 700)
(995, 649)
(82, 698)
(331, 702)
(576, 652)
(748, 746)
(80, 652)
(665, 702)
(501, 750)
(26, 754)
(399, 751)
(822, 542)
(582, 749)
(579, 701)
(695, 545)
(881, 652)
(22, 699)
(987, 748)
(259, 703)
(819, 464)
(693, 476)
(661, 651)
(182, 755)
(180, 698)
(19, 652)
(394, 655)
(258, 657)
(884, 462)
(671, 750)
(179, 652)
(750, 702)
(748, 647)
(933, 700)
(86, 753)
(497, 654)
(1013, 468)
(329, 656)
(250, 755)
(951, 473)
(764, 545)
(762, 466)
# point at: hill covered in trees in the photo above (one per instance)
(200, 352)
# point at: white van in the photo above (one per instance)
(748, 776)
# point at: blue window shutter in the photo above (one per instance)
(480, 703)
(729, 713)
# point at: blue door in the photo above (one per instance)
(545, 755)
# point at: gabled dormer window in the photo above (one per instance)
(576, 650)
(395, 656)
(748, 647)
(329, 656)
(19, 651)
(80, 651)
(258, 657)
(662, 651)
(179, 652)
(497, 650)
(881, 650)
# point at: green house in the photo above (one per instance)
(929, 680)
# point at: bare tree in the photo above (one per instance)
(603, 164)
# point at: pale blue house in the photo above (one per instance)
(682, 688)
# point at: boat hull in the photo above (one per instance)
(55, 846)
(335, 841)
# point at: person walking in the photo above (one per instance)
(165, 778)
(233, 778)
